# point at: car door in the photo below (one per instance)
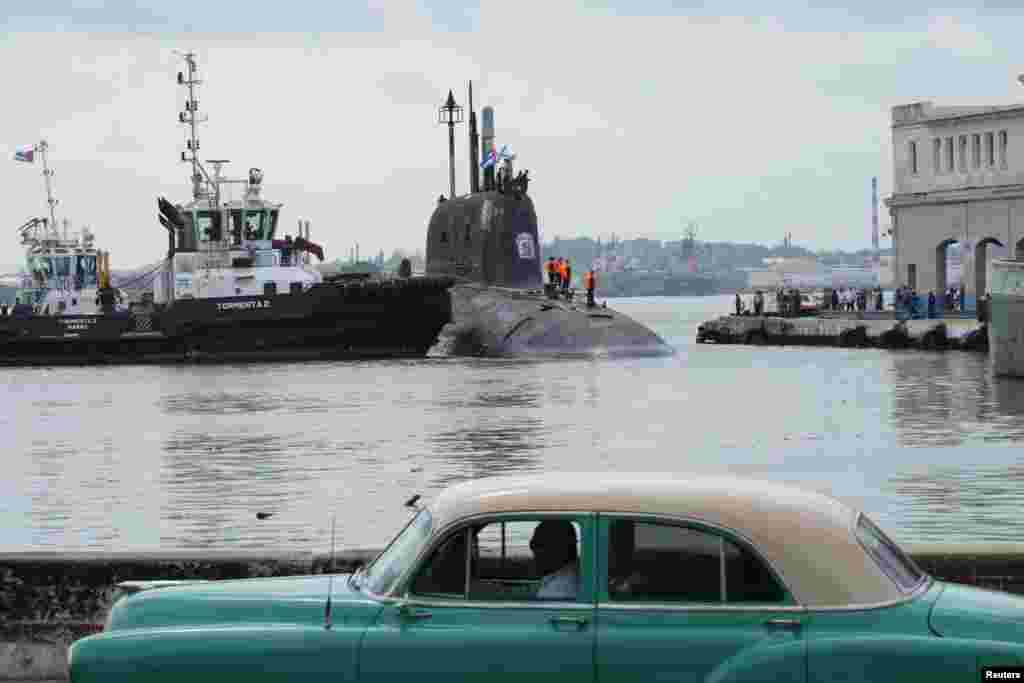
(470, 611)
(680, 601)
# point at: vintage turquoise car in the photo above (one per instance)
(582, 578)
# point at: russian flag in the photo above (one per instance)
(26, 153)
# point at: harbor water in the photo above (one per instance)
(141, 458)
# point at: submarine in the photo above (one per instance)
(488, 242)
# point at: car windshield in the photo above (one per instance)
(382, 574)
(896, 565)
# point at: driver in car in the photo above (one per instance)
(554, 550)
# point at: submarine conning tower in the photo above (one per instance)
(490, 235)
(487, 237)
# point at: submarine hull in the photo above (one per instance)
(500, 321)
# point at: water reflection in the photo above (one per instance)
(216, 482)
(502, 430)
(947, 399)
(142, 457)
(950, 504)
(240, 403)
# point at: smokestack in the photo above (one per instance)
(474, 147)
(487, 137)
(874, 214)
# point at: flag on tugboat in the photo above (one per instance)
(26, 153)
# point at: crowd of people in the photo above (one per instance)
(906, 302)
(851, 300)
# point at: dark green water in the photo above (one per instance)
(137, 458)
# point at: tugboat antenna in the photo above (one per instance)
(51, 201)
(191, 117)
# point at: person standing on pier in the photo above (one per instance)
(739, 304)
(931, 305)
(758, 303)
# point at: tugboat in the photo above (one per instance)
(230, 289)
(61, 268)
(488, 239)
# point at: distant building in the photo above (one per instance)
(958, 178)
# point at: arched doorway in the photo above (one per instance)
(947, 268)
(981, 258)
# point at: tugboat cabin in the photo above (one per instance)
(231, 248)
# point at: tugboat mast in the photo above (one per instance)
(191, 117)
(51, 201)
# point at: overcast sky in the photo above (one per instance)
(632, 117)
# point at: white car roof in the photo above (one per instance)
(807, 537)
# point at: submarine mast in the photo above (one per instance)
(450, 113)
(474, 147)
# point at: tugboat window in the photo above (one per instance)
(236, 227)
(208, 226)
(254, 225)
(272, 229)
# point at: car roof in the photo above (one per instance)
(807, 537)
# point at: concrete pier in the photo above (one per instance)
(940, 334)
(48, 600)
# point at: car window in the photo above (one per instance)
(510, 560)
(665, 563)
(384, 571)
(896, 565)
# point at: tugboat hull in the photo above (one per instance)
(369, 319)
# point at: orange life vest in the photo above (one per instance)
(589, 280)
(563, 268)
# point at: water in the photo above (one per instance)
(143, 458)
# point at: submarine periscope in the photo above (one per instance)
(488, 241)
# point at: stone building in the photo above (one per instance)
(958, 176)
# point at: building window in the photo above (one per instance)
(913, 157)
(990, 149)
(1004, 141)
(962, 153)
(949, 154)
(976, 150)
(937, 155)
(912, 275)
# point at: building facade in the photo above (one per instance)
(958, 177)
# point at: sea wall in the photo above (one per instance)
(958, 334)
(48, 600)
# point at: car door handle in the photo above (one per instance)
(784, 623)
(578, 622)
(407, 612)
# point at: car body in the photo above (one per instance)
(675, 578)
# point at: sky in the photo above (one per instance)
(634, 118)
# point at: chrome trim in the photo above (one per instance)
(718, 527)
(417, 601)
(863, 607)
(721, 566)
(401, 587)
(853, 530)
(700, 607)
